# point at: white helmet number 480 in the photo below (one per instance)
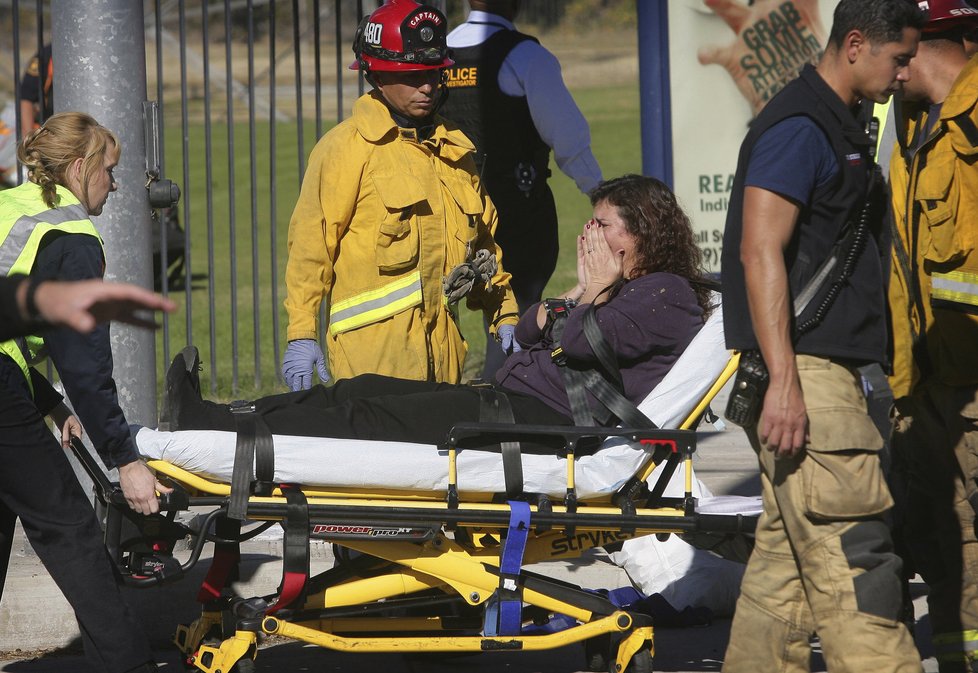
(372, 33)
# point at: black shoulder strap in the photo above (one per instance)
(576, 390)
(577, 382)
(606, 356)
(616, 403)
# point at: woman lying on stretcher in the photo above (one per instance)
(637, 264)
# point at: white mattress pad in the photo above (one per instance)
(317, 461)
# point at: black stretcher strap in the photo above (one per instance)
(264, 458)
(577, 383)
(577, 396)
(574, 385)
(606, 356)
(495, 407)
(616, 403)
(254, 459)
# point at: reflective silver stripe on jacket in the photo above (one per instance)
(955, 290)
(20, 233)
(374, 305)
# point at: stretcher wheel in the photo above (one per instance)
(597, 653)
(600, 653)
(248, 666)
(641, 663)
(243, 665)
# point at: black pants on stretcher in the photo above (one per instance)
(38, 485)
(367, 407)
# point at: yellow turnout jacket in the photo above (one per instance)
(934, 278)
(381, 218)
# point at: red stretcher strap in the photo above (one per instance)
(292, 586)
(295, 562)
(226, 557)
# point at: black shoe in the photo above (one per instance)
(174, 372)
(182, 380)
(191, 359)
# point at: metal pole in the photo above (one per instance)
(232, 213)
(359, 72)
(317, 80)
(653, 74)
(164, 242)
(297, 50)
(17, 77)
(273, 201)
(339, 62)
(185, 157)
(100, 68)
(253, 175)
(209, 198)
(42, 65)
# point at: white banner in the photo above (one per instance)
(727, 58)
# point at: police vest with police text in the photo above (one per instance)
(500, 126)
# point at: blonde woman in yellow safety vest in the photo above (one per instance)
(45, 231)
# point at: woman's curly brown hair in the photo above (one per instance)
(661, 228)
(47, 152)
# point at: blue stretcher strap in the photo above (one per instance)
(511, 561)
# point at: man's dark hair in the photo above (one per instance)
(881, 21)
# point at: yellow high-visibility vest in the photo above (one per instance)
(25, 219)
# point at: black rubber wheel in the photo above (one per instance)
(245, 665)
(641, 662)
(597, 653)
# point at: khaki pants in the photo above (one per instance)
(935, 444)
(823, 560)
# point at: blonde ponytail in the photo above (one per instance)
(48, 152)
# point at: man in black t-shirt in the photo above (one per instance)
(823, 560)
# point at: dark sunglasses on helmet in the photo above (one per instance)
(425, 56)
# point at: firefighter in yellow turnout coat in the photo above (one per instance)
(389, 206)
(934, 306)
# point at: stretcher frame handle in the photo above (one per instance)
(110, 492)
(684, 439)
(107, 491)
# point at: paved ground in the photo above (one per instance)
(38, 633)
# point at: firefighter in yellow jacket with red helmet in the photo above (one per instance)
(934, 307)
(392, 227)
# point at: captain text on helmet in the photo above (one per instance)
(392, 228)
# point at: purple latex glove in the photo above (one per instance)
(297, 363)
(507, 339)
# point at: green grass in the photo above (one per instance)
(612, 112)
(220, 377)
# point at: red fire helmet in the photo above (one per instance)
(402, 35)
(946, 14)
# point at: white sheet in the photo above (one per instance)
(315, 461)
